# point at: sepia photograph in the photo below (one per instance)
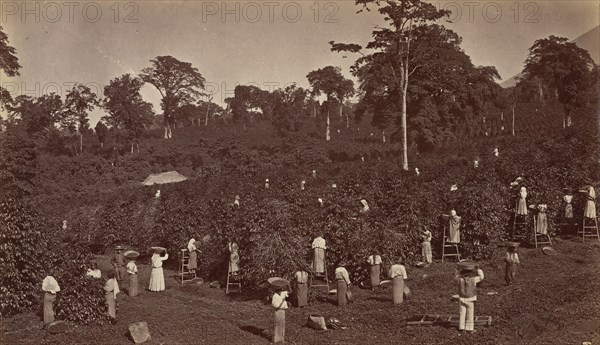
(299, 172)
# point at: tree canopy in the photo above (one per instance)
(564, 68)
(178, 82)
(125, 106)
(9, 64)
(384, 73)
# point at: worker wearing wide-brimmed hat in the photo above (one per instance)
(512, 260)
(132, 271)
(278, 301)
(467, 274)
(157, 277)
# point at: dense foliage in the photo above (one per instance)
(29, 250)
(21, 264)
(275, 226)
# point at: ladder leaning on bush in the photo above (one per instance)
(446, 246)
(233, 280)
(323, 276)
(588, 225)
(184, 273)
(518, 224)
(545, 237)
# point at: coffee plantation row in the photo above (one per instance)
(274, 226)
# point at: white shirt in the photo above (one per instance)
(342, 273)
(278, 301)
(94, 273)
(301, 277)
(477, 279)
(374, 260)
(397, 270)
(157, 261)
(112, 286)
(512, 258)
(50, 285)
(131, 267)
(427, 236)
(319, 242)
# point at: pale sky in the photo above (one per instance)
(269, 44)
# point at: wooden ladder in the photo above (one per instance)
(184, 273)
(323, 277)
(445, 246)
(589, 230)
(444, 320)
(545, 237)
(234, 283)
(518, 224)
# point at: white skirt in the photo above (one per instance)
(157, 279)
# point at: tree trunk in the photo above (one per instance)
(341, 115)
(207, 114)
(314, 110)
(168, 133)
(513, 120)
(80, 142)
(502, 116)
(132, 147)
(347, 121)
(327, 131)
(383, 136)
(404, 135)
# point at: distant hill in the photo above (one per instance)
(589, 41)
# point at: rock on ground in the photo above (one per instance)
(139, 332)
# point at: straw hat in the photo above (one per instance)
(512, 244)
(131, 254)
(278, 282)
(158, 249)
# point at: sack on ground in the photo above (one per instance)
(316, 322)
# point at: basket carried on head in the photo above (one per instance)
(466, 265)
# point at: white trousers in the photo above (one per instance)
(467, 316)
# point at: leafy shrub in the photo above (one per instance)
(274, 227)
(27, 254)
(20, 261)
(81, 299)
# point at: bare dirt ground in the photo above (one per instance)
(555, 300)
